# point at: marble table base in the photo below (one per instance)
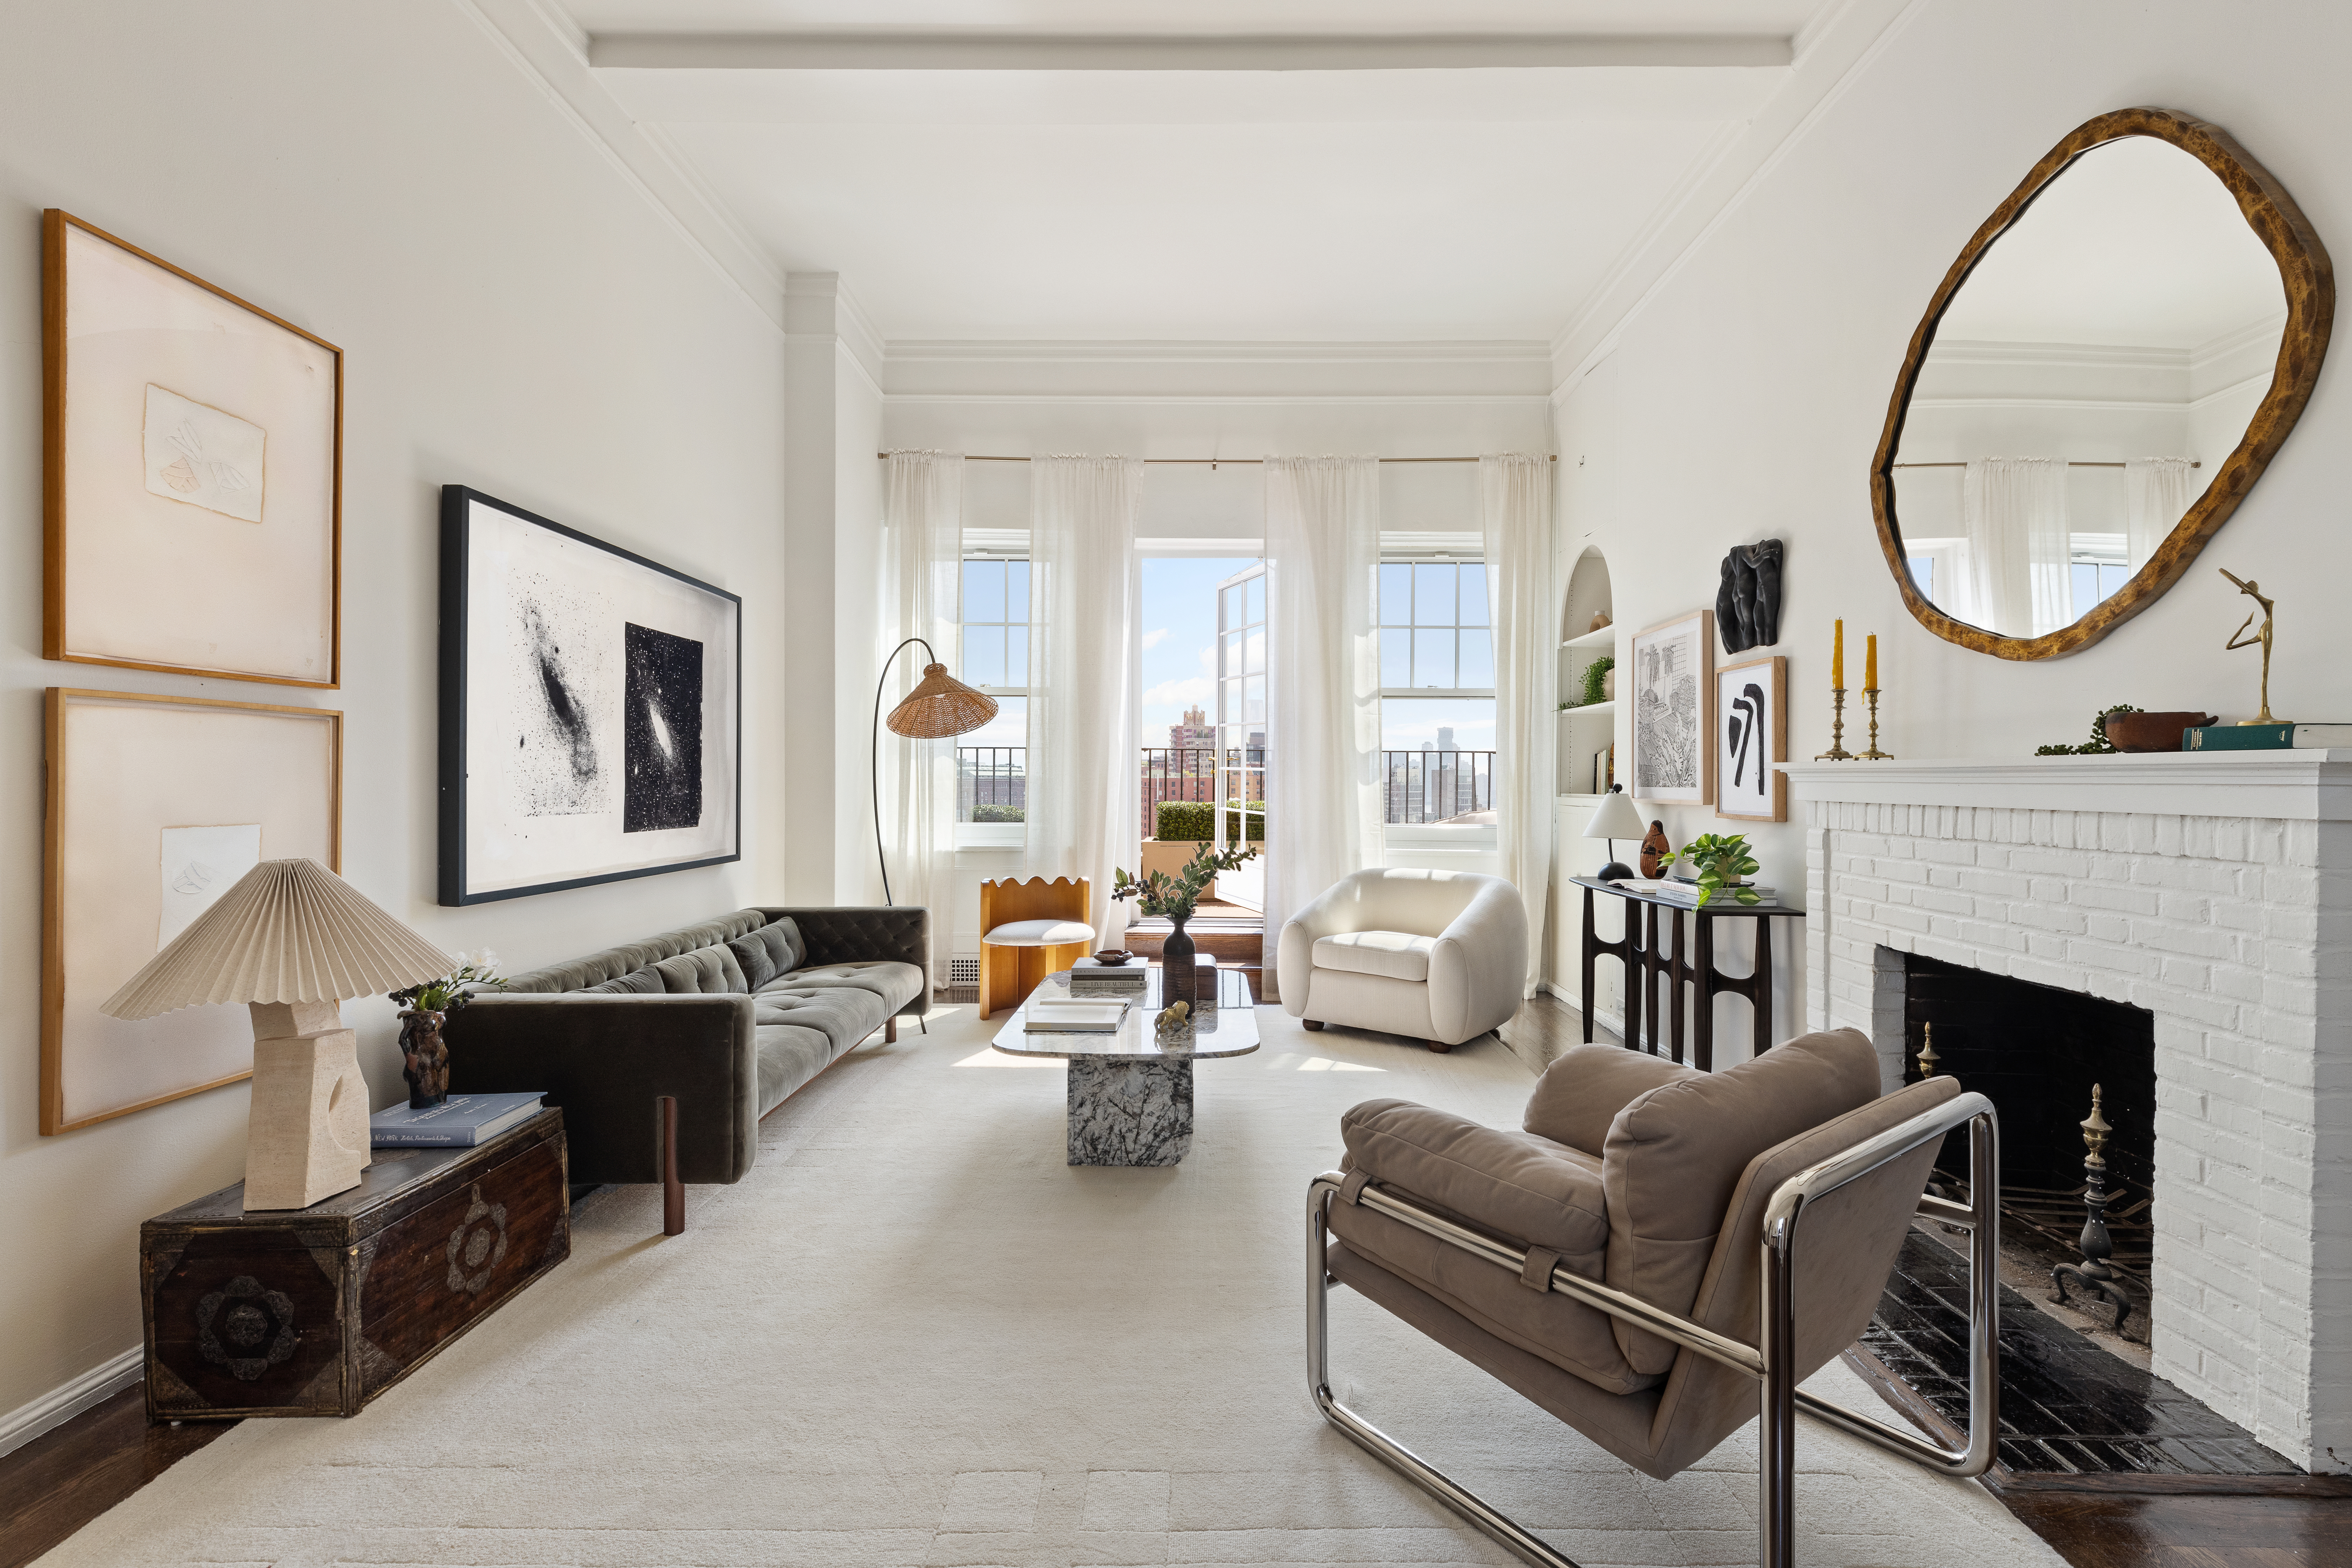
(1126, 1111)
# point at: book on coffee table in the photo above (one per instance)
(1052, 1015)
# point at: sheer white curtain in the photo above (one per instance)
(1323, 707)
(1514, 505)
(2019, 551)
(922, 525)
(2157, 490)
(1084, 768)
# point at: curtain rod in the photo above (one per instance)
(1213, 462)
(1963, 464)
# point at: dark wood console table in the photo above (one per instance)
(1690, 963)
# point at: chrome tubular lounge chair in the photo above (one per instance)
(1655, 1241)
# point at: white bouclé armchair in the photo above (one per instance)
(1441, 956)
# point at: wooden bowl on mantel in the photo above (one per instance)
(2153, 731)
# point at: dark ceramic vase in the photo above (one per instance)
(1176, 961)
(424, 1058)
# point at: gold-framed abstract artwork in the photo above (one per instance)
(156, 806)
(191, 471)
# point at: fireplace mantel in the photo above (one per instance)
(2295, 786)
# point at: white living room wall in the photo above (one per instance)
(1743, 400)
(516, 316)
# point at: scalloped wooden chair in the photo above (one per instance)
(1028, 930)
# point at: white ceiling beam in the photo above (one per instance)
(931, 52)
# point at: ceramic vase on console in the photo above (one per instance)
(424, 1059)
(1176, 963)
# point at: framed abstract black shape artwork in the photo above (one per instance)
(591, 709)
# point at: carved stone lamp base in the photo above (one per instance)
(307, 1135)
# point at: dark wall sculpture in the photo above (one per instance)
(1747, 604)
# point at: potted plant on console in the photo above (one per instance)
(1722, 863)
(1174, 899)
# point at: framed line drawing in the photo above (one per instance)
(1752, 739)
(191, 471)
(156, 806)
(1674, 711)
(591, 709)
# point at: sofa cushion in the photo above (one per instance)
(1392, 955)
(895, 984)
(1583, 1091)
(646, 982)
(1517, 1185)
(789, 1055)
(578, 973)
(1675, 1154)
(706, 970)
(751, 956)
(775, 949)
(843, 1014)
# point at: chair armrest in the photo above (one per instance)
(606, 1060)
(851, 934)
(1478, 970)
(1513, 1183)
(1294, 954)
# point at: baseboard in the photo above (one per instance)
(1613, 1022)
(61, 1404)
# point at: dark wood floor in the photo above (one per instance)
(55, 1484)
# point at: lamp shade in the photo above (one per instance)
(289, 931)
(940, 706)
(1616, 818)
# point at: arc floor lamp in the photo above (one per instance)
(939, 706)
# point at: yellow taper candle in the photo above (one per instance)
(1837, 657)
(1870, 664)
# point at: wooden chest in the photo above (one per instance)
(315, 1311)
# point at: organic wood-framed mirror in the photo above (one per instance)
(2100, 379)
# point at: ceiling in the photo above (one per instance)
(1217, 170)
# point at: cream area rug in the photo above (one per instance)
(913, 1335)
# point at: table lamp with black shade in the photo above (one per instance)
(939, 706)
(1615, 820)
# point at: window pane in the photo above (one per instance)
(1396, 657)
(984, 655)
(1233, 654)
(984, 590)
(1433, 596)
(2111, 577)
(991, 767)
(1256, 652)
(1437, 760)
(1257, 586)
(1016, 590)
(1432, 658)
(1253, 700)
(1016, 657)
(1396, 594)
(2086, 586)
(1232, 711)
(1232, 612)
(1477, 659)
(1473, 594)
(1923, 573)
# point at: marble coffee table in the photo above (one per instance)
(1130, 1094)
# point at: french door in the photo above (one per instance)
(1241, 729)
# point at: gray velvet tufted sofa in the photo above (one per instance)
(729, 1017)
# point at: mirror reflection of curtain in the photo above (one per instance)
(2157, 490)
(2019, 549)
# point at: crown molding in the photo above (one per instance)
(1034, 370)
(955, 50)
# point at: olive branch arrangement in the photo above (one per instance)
(1175, 898)
(448, 994)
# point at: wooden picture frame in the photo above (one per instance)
(142, 792)
(192, 469)
(592, 725)
(1671, 693)
(1751, 740)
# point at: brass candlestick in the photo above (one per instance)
(1875, 755)
(1837, 751)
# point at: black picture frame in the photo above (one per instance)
(588, 722)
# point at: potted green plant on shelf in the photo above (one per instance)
(1596, 685)
(1722, 863)
(1174, 900)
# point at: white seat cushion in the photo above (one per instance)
(1392, 955)
(1039, 934)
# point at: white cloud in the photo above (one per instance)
(1180, 693)
(1209, 659)
(1154, 638)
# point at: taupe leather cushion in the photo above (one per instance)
(1675, 1152)
(645, 981)
(1392, 955)
(1582, 1093)
(706, 970)
(1516, 1185)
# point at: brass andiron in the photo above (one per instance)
(1875, 755)
(1837, 751)
(2093, 1274)
(2269, 612)
(1928, 1057)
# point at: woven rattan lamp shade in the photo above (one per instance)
(940, 706)
(290, 931)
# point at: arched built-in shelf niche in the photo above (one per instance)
(1583, 731)
(1588, 729)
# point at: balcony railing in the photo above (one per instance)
(1417, 788)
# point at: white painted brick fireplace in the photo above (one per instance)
(2214, 890)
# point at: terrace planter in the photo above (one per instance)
(1172, 856)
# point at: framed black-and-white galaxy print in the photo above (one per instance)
(1672, 694)
(591, 709)
(1751, 738)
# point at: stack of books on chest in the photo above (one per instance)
(1091, 977)
(460, 1121)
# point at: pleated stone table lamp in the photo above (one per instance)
(290, 940)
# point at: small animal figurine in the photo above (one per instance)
(1653, 844)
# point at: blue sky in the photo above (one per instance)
(1179, 640)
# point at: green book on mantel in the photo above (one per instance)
(2266, 737)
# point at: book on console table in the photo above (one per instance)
(1677, 891)
(1052, 1015)
(2265, 737)
(459, 1121)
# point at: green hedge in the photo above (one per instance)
(1193, 821)
(999, 814)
